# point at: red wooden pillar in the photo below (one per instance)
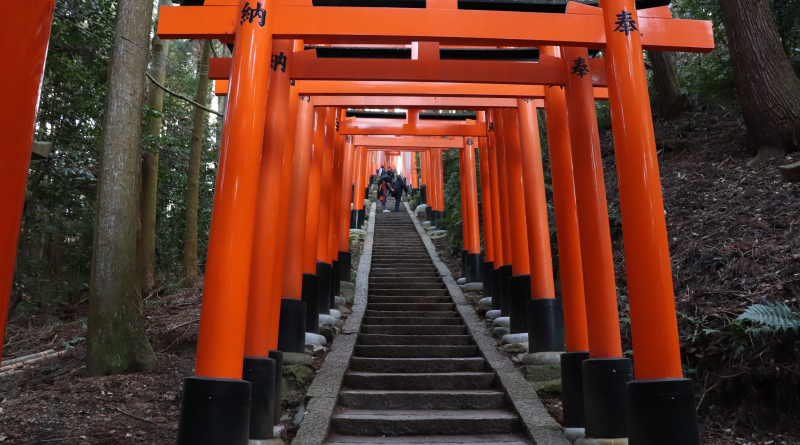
(224, 313)
(519, 287)
(569, 253)
(335, 210)
(28, 24)
(613, 371)
(325, 268)
(296, 284)
(486, 200)
(506, 270)
(473, 236)
(500, 256)
(660, 402)
(545, 314)
(345, 214)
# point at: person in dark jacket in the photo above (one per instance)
(384, 190)
(398, 187)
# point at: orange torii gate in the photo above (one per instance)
(216, 404)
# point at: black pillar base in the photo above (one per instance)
(423, 194)
(605, 397)
(474, 270)
(662, 412)
(495, 277)
(366, 192)
(214, 412)
(546, 325)
(324, 274)
(572, 388)
(260, 372)
(292, 327)
(519, 290)
(505, 294)
(488, 266)
(464, 254)
(335, 273)
(432, 217)
(345, 260)
(311, 298)
(278, 357)
(361, 217)
(354, 219)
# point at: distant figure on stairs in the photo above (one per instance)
(384, 189)
(398, 187)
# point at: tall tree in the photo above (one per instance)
(193, 176)
(117, 341)
(672, 99)
(148, 197)
(767, 87)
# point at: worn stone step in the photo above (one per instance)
(389, 320)
(421, 422)
(373, 281)
(383, 339)
(414, 330)
(408, 299)
(400, 314)
(401, 268)
(407, 351)
(505, 439)
(412, 307)
(406, 286)
(419, 381)
(389, 273)
(409, 292)
(410, 365)
(422, 399)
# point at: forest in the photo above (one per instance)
(122, 299)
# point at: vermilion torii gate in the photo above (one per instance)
(269, 122)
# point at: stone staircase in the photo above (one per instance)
(416, 375)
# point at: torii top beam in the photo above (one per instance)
(411, 143)
(319, 88)
(411, 126)
(298, 19)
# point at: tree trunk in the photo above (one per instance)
(672, 100)
(117, 341)
(768, 89)
(193, 175)
(146, 248)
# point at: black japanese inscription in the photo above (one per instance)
(625, 23)
(491, 126)
(580, 68)
(249, 14)
(305, 98)
(469, 142)
(278, 60)
(349, 139)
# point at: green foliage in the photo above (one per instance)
(56, 240)
(774, 316)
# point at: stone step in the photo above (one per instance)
(406, 286)
(377, 281)
(443, 381)
(410, 365)
(406, 321)
(414, 330)
(407, 299)
(383, 339)
(409, 292)
(422, 422)
(412, 307)
(399, 275)
(412, 314)
(408, 351)
(505, 439)
(401, 267)
(422, 399)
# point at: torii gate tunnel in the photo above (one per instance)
(293, 139)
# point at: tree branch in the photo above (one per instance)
(180, 96)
